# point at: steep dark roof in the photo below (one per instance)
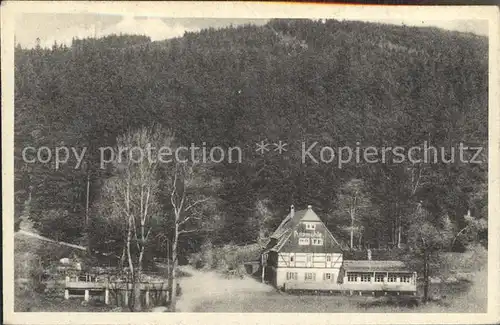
(282, 234)
(290, 222)
(375, 266)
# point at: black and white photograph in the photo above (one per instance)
(327, 162)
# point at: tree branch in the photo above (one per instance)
(135, 233)
(180, 223)
(188, 231)
(415, 187)
(195, 203)
(459, 233)
(174, 188)
(147, 234)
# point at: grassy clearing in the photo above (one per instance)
(466, 294)
(274, 301)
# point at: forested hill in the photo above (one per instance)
(338, 83)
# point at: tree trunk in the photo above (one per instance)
(87, 203)
(394, 234)
(137, 290)
(399, 233)
(122, 258)
(398, 225)
(137, 283)
(130, 265)
(426, 277)
(352, 229)
(173, 277)
(168, 260)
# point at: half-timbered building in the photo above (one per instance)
(302, 254)
(302, 250)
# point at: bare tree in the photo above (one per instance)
(415, 175)
(191, 208)
(132, 193)
(353, 198)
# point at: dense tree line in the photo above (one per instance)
(338, 83)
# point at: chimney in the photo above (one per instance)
(309, 207)
(369, 253)
(292, 211)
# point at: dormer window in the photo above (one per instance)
(310, 226)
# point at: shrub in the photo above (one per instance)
(37, 284)
(228, 258)
(204, 258)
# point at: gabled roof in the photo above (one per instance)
(282, 234)
(291, 221)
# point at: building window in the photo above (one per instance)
(406, 278)
(366, 277)
(310, 226)
(304, 241)
(310, 276)
(392, 278)
(328, 258)
(379, 277)
(317, 241)
(328, 276)
(291, 257)
(291, 275)
(352, 277)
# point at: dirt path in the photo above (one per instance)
(206, 286)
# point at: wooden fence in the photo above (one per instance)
(153, 293)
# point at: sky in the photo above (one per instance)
(62, 27)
